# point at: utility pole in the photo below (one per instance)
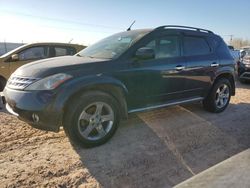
(231, 38)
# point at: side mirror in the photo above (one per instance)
(145, 53)
(14, 57)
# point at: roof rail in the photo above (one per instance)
(184, 27)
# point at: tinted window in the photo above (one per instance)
(195, 46)
(165, 47)
(32, 53)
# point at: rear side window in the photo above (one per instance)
(195, 46)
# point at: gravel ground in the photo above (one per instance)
(160, 148)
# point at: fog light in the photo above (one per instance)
(35, 118)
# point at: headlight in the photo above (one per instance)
(50, 82)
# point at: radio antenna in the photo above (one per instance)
(131, 26)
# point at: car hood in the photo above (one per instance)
(51, 66)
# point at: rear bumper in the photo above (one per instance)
(34, 107)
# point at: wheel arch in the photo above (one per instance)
(107, 85)
(230, 77)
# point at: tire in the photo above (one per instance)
(2, 84)
(219, 97)
(91, 119)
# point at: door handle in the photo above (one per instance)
(179, 68)
(214, 64)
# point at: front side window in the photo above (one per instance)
(32, 53)
(59, 51)
(195, 46)
(165, 47)
(71, 51)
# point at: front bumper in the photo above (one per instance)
(34, 107)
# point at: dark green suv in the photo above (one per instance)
(127, 72)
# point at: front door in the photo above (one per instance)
(159, 80)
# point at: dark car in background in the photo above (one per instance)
(243, 67)
(27, 53)
(127, 72)
(235, 54)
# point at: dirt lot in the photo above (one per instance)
(160, 148)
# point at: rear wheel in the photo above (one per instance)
(91, 119)
(219, 97)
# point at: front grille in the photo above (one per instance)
(17, 82)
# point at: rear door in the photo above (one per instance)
(201, 64)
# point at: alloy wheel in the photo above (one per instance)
(96, 121)
(222, 96)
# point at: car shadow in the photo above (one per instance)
(162, 148)
(134, 157)
(234, 121)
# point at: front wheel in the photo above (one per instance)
(91, 119)
(2, 84)
(219, 97)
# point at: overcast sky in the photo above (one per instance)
(86, 21)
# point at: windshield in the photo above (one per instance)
(12, 51)
(112, 47)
